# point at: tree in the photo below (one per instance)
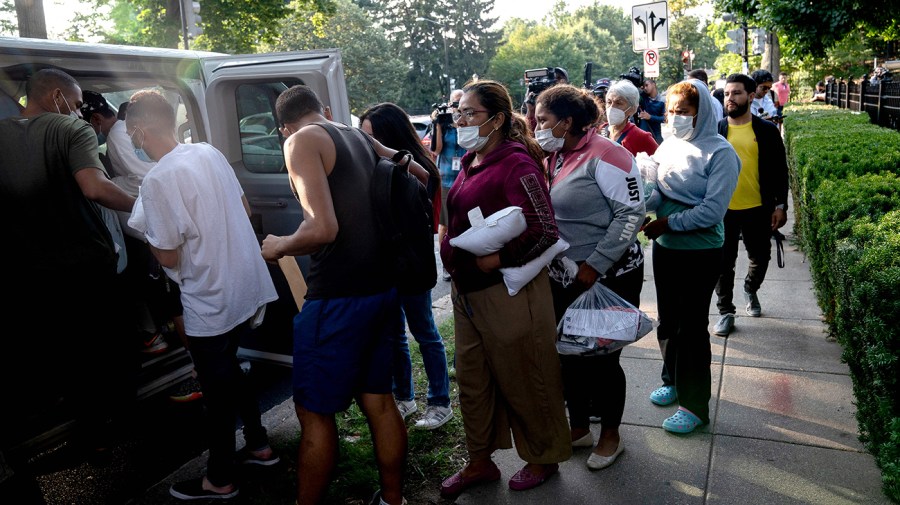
(417, 27)
(240, 27)
(370, 64)
(528, 45)
(30, 15)
(603, 34)
(813, 28)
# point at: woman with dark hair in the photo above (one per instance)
(594, 186)
(390, 125)
(507, 367)
(697, 173)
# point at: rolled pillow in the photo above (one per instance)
(490, 236)
(516, 278)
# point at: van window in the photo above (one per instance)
(260, 138)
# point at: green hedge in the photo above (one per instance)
(846, 192)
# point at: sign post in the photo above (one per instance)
(650, 26)
(651, 63)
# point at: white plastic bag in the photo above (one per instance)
(649, 169)
(516, 278)
(600, 322)
(489, 234)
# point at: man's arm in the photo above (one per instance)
(97, 188)
(166, 257)
(310, 156)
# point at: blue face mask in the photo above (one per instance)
(139, 151)
(101, 138)
(142, 155)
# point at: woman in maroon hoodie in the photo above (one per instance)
(507, 367)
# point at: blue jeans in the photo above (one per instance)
(417, 309)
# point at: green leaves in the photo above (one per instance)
(847, 196)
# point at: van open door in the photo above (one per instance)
(240, 100)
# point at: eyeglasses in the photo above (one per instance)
(469, 114)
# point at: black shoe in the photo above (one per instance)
(193, 490)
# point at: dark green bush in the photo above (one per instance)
(847, 205)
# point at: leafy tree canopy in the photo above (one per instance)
(370, 64)
(814, 27)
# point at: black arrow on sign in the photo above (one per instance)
(654, 25)
(642, 22)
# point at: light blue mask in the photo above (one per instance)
(142, 155)
(139, 151)
(101, 139)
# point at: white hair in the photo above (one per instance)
(625, 89)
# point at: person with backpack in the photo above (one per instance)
(390, 125)
(343, 336)
(508, 370)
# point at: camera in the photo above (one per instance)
(539, 79)
(634, 75)
(444, 116)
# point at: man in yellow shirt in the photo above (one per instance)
(759, 203)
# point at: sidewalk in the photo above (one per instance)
(783, 429)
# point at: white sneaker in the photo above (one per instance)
(434, 417)
(724, 326)
(406, 408)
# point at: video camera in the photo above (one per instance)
(444, 116)
(635, 75)
(539, 79)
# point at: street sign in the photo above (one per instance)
(651, 63)
(650, 26)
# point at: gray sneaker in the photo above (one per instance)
(725, 325)
(406, 408)
(435, 417)
(753, 307)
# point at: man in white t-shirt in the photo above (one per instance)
(194, 215)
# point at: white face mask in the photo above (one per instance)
(682, 126)
(71, 112)
(469, 139)
(616, 116)
(547, 141)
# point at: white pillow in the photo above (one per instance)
(491, 235)
(516, 278)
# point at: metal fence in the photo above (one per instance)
(881, 101)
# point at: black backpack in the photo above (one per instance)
(405, 217)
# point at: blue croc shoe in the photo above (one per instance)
(664, 395)
(683, 421)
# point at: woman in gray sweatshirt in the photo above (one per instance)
(697, 174)
(598, 202)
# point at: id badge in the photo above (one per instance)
(456, 164)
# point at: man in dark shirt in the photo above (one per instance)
(343, 339)
(60, 264)
(653, 110)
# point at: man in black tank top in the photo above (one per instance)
(343, 336)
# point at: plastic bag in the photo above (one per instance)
(600, 322)
(649, 169)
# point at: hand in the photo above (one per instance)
(586, 276)
(270, 250)
(779, 218)
(644, 115)
(654, 229)
(489, 263)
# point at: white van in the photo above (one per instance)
(227, 101)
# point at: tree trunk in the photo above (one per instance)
(771, 59)
(32, 23)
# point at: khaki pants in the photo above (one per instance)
(508, 373)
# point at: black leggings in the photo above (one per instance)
(595, 385)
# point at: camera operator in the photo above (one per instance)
(449, 154)
(536, 86)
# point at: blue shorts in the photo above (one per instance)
(343, 347)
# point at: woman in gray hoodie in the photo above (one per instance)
(696, 176)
